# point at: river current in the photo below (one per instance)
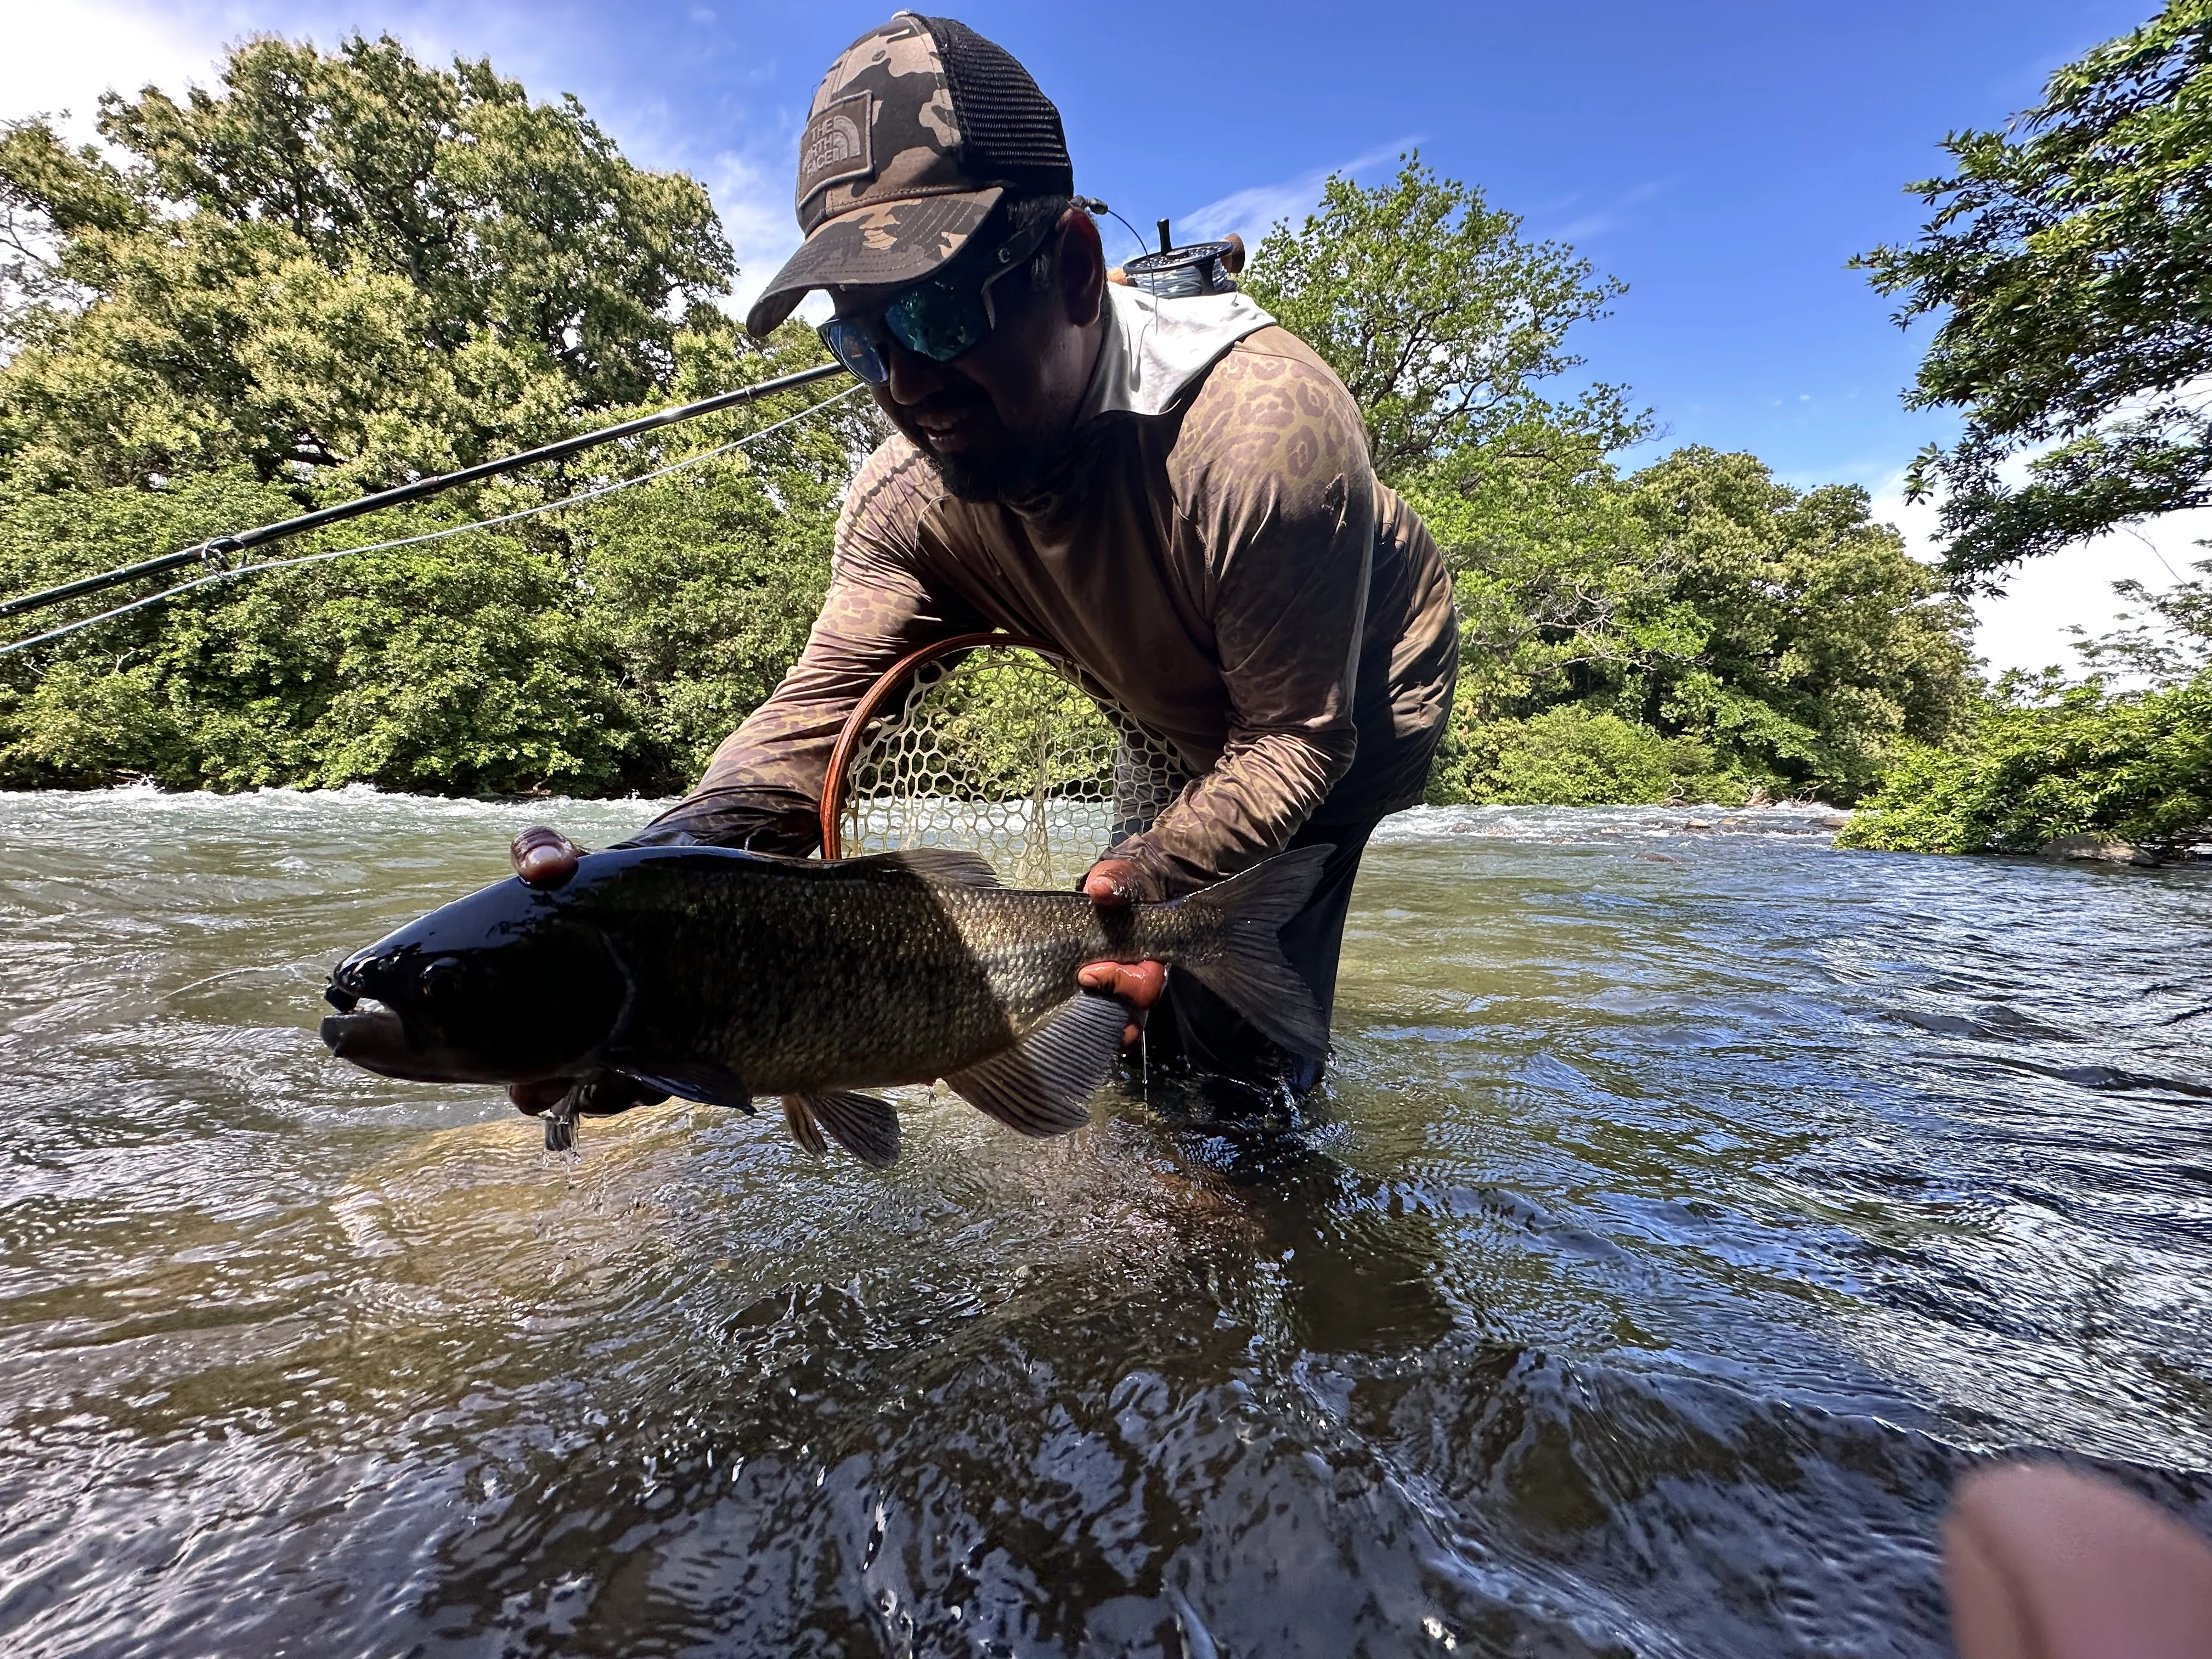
(1687, 1209)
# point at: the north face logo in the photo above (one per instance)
(837, 139)
(835, 145)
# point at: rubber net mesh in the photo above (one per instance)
(1005, 751)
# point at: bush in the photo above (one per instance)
(2044, 760)
(1573, 756)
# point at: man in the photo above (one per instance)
(1175, 493)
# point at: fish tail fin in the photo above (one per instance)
(1247, 969)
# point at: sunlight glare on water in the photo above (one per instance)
(1686, 1209)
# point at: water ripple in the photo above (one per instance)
(1687, 1206)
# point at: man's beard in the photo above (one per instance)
(1014, 470)
(1017, 471)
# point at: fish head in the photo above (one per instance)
(509, 985)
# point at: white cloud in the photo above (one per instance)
(64, 56)
(1596, 222)
(2025, 626)
(1251, 212)
(755, 202)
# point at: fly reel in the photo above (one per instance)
(1176, 273)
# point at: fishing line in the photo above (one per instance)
(1093, 206)
(168, 593)
(217, 548)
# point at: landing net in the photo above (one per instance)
(998, 746)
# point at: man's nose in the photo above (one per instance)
(913, 377)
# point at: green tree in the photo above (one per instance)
(2043, 760)
(1440, 320)
(1794, 634)
(1574, 756)
(333, 272)
(2167, 640)
(2040, 758)
(2067, 257)
(1784, 633)
(335, 269)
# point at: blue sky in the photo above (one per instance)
(1723, 159)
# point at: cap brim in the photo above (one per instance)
(877, 245)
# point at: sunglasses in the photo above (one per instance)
(938, 318)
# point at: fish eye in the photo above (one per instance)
(441, 977)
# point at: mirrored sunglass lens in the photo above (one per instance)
(849, 344)
(936, 321)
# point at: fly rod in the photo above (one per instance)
(221, 547)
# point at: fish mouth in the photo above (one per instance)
(374, 1038)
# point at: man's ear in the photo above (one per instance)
(1082, 267)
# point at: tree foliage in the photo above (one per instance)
(2168, 638)
(2043, 758)
(1795, 633)
(2067, 257)
(1440, 320)
(1572, 755)
(1784, 634)
(333, 272)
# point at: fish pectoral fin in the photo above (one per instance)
(949, 864)
(709, 1085)
(864, 1126)
(1042, 1085)
(798, 1118)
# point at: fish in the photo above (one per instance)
(722, 976)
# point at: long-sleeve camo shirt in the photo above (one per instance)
(1214, 550)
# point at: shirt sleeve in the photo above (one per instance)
(762, 789)
(1277, 501)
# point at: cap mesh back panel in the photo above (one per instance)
(1008, 129)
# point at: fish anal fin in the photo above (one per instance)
(1043, 1084)
(950, 865)
(864, 1126)
(798, 1117)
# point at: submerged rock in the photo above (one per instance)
(2098, 848)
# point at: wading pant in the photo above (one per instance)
(1193, 1031)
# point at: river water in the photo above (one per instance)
(1688, 1207)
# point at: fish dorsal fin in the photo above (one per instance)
(1043, 1084)
(948, 865)
(698, 1080)
(864, 1126)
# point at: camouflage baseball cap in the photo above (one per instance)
(917, 131)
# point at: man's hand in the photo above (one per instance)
(546, 857)
(2045, 1563)
(1115, 885)
(543, 857)
(605, 1093)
